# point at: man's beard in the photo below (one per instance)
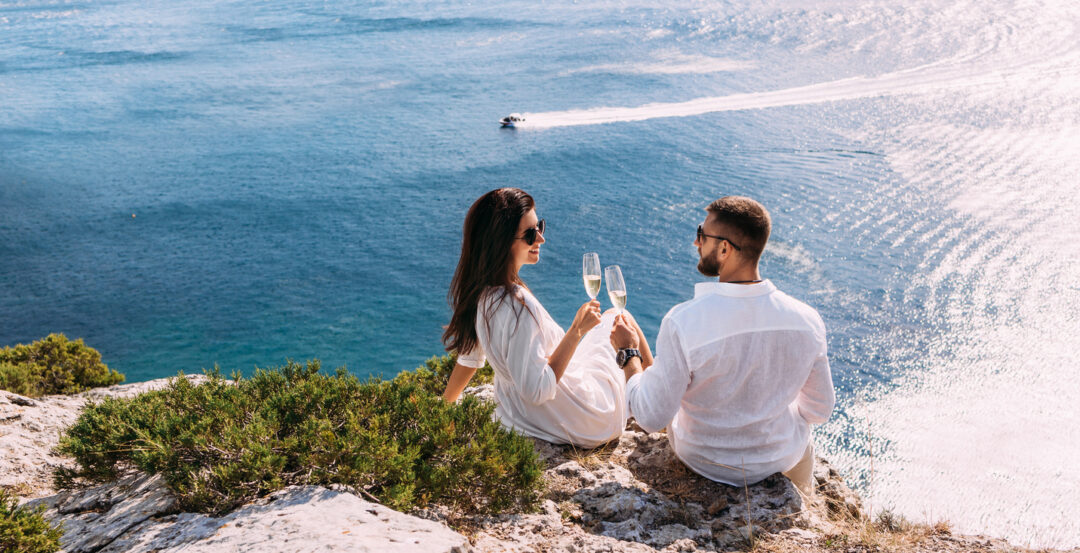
(709, 266)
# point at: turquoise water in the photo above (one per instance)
(237, 183)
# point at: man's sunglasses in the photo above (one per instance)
(701, 236)
(531, 233)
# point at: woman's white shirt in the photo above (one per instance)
(586, 407)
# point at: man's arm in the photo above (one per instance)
(817, 397)
(654, 395)
(625, 334)
(643, 344)
(632, 367)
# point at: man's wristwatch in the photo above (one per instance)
(624, 355)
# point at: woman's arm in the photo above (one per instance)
(643, 347)
(588, 316)
(459, 378)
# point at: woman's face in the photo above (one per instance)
(521, 252)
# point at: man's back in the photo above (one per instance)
(741, 371)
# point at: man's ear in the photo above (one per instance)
(726, 251)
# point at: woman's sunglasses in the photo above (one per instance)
(531, 233)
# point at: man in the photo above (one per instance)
(741, 371)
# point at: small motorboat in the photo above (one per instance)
(511, 120)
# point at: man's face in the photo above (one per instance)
(709, 263)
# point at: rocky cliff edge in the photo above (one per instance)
(631, 495)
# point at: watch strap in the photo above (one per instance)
(625, 355)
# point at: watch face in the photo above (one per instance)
(620, 358)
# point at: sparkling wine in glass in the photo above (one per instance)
(590, 273)
(616, 286)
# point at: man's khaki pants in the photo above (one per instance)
(802, 474)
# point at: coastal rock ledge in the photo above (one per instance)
(138, 514)
(631, 495)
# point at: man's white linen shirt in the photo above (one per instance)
(740, 373)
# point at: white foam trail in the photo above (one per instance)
(920, 79)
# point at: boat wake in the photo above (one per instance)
(923, 79)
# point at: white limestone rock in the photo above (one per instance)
(483, 392)
(138, 515)
(30, 429)
(95, 517)
(296, 519)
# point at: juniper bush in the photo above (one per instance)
(222, 443)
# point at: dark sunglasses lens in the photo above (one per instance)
(530, 234)
(700, 233)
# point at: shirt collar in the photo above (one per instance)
(734, 290)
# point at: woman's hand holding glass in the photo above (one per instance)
(587, 318)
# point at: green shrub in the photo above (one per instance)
(25, 530)
(18, 378)
(53, 365)
(221, 444)
(435, 373)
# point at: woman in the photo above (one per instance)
(563, 387)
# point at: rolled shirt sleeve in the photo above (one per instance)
(474, 359)
(817, 397)
(656, 394)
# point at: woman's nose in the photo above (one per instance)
(540, 238)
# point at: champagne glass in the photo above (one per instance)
(590, 273)
(616, 286)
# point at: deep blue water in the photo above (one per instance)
(237, 183)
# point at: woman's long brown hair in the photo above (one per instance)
(490, 229)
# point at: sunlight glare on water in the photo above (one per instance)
(987, 436)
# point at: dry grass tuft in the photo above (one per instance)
(593, 458)
(889, 533)
(20, 489)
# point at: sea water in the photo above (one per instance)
(238, 183)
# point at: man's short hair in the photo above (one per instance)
(746, 221)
